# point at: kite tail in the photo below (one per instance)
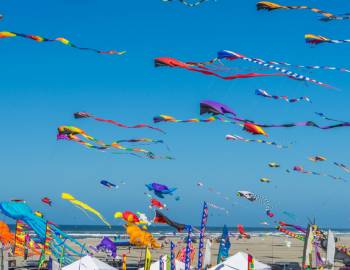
(125, 126)
(6, 34)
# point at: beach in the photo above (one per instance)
(267, 248)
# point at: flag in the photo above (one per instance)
(172, 256)
(124, 262)
(225, 245)
(250, 262)
(207, 255)
(148, 259)
(201, 235)
(161, 263)
(188, 248)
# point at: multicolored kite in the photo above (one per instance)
(160, 190)
(47, 201)
(64, 41)
(201, 68)
(315, 39)
(163, 219)
(302, 170)
(265, 5)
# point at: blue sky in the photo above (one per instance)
(43, 84)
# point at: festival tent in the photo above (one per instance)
(155, 266)
(239, 261)
(88, 263)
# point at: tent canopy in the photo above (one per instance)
(88, 263)
(239, 261)
(155, 266)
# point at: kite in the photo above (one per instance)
(143, 218)
(254, 129)
(40, 227)
(107, 244)
(47, 201)
(163, 219)
(139, 237)
(315, 39)
(229, 55)
(160, 190)
(39, 214)
(269, 6)
(242, 232)
(64, 41)
(71, 133)
(274, 165)
(317, 158)
(215, 108)
(253, 197)
(79, 115)
(342, 166)
(263, 93)
(108, 184)
(83, 206)
(201, 68)
(127, 216)
(189, 3)
(265, 180)
(157, 204)
(302, 170)
(247, 194)
(239, 138)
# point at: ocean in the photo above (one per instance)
(98, 231)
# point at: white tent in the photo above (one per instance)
(88, 263)
(155, 266)
(239, 261)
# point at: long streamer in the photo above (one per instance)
(239, 138)
(6, 34)
(264, 93)
(327, 16)
(79, 115)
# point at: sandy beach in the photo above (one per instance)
(268, 249)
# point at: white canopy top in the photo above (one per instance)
(88, 263)
(239, 261)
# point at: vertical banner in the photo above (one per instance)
(250, 262)
(124, 262)
(172, 256)
(188, 248)
(225, 245)
(148, 260)
(201, 235)
(19, 239)
(161, 263)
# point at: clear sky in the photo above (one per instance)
(43, 84)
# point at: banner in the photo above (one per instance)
(201, 235)
(188, 248)
(148, 259)
(172, 256)
(225, 245)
